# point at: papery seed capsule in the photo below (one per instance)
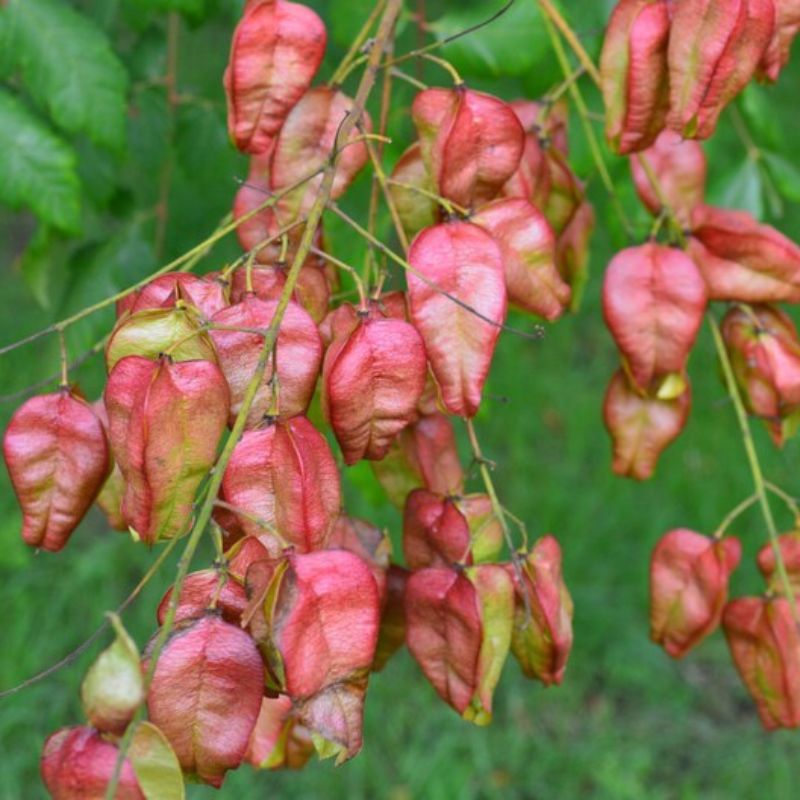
(276, 51)
(78, 764)
(471, 142)
(372, 381)
(715, 47)
(764, 350)
(641, 427)
(765, 645)
(742, 260)
(689, 575)
(459, 632)
(203, 293)
(542, 637)
(633, 69)
(206, 695)
(463, 261)
(679, 167)
(654, 299)
(165, 420)
(57, 456)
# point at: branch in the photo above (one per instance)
(385, 30)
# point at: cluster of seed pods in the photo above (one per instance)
(269, 654)
(668, 69)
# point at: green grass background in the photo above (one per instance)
(628, 722)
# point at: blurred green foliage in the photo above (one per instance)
(103, 180)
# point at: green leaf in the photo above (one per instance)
(510, 45)
(37, 169)
(346, 18)
(69, 68)
(785, 175)
(155, 764)
(201, 130)
(741, 189)
(36, 264)
(194, 11)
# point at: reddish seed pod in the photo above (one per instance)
(464, 261)
(285, 480)
(441, 531)
(152, 332)
(542, 637)
(206, 695)
(765, 645)
(789, 545)
(680, 167)
(312, 290)
(278, 740)
(654, 299)
(715, 47)
(204, 294)
(304, 144)
(165, 420)
(633, 71)
(78, 763)
(742, 260)
(641, 427)
(546, 120)
(471, 142)
(689, 576)
(296, 357)
(57, 457)
(372, 545)
(527, 245)
(198, 592)
(764, 350)
(459, 632)
(372, 380)
(276, 51)
(787, 26)
(322, 612)
(424, 455)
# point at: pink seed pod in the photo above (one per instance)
(633, 71)
(689, 575)
(764, 642)
(276, 51)
(58, 459)
(205, 294)
(641, 427)
(464, 261)
(542, 637)
(471, 142)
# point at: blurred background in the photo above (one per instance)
(101, 182)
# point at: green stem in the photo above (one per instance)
(385, 30)
(583, 113)
(755, 465)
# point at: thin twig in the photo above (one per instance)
(531, 336)
(84, 646)
(385, 30)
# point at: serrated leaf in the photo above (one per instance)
(149, 132)
(758, 110)
(509, 45)
(37, 169)
(155, 764)
(69, 68)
